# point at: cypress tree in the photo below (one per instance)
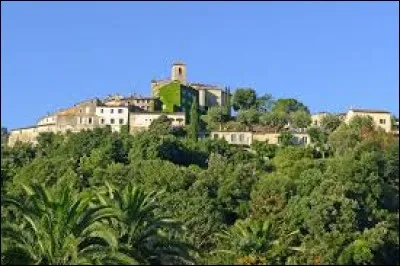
(194, 121)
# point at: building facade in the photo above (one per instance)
(317, 118)
(248, 137)
(141, 121)
(382, 119)
(113, 116)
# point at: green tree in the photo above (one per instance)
(286, 138)
(59, 227)
(275, 120)
(289, 106)
(265, 103)
(144, 236)
(319, 139)
(248, 117)
(194, 121)
(264, 149)
(161, 125)
(251, 242)
(215, 117)
(244, 98)
(330, 122)
(300, 119)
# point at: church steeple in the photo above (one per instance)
(179, 72)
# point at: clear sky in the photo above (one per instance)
(329, 55)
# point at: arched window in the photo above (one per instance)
(180, 71)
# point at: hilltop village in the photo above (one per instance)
(173, 97)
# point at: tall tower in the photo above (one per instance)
(179, 72)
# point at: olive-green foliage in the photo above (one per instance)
(330, 122)
(244, 98)
(300, 119)
(274, 119)
(161, 125)
(227, 204)
(263, 149)
(215, 117)
(248, 117)
(289, 106)
(286, 138)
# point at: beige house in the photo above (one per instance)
(248, 137)
(273, 138)
(29, 134)
(141, 121)
(234, 137)
(317, 118)
(381, 118)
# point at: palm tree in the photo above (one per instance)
(252, 242)
(59, 227)
(143, 234)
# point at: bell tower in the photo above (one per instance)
(179, 72)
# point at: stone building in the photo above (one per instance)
(208, 95)
(135, 103)
(29, 134)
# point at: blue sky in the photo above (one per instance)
(329, 55)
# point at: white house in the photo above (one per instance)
(114, 116)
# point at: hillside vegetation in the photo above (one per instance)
(164, 197)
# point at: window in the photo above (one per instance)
(80, 110)
(148, 101)
(305, 140)
(112, 121)
(180, 71)
(90, 120)
(147, 108)
(101, 110)
(112, 111)
(119, 111)
(215, 136)
(233, 138)
(102, 121)
(382, 121)
(241, 137)
(121, 121)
